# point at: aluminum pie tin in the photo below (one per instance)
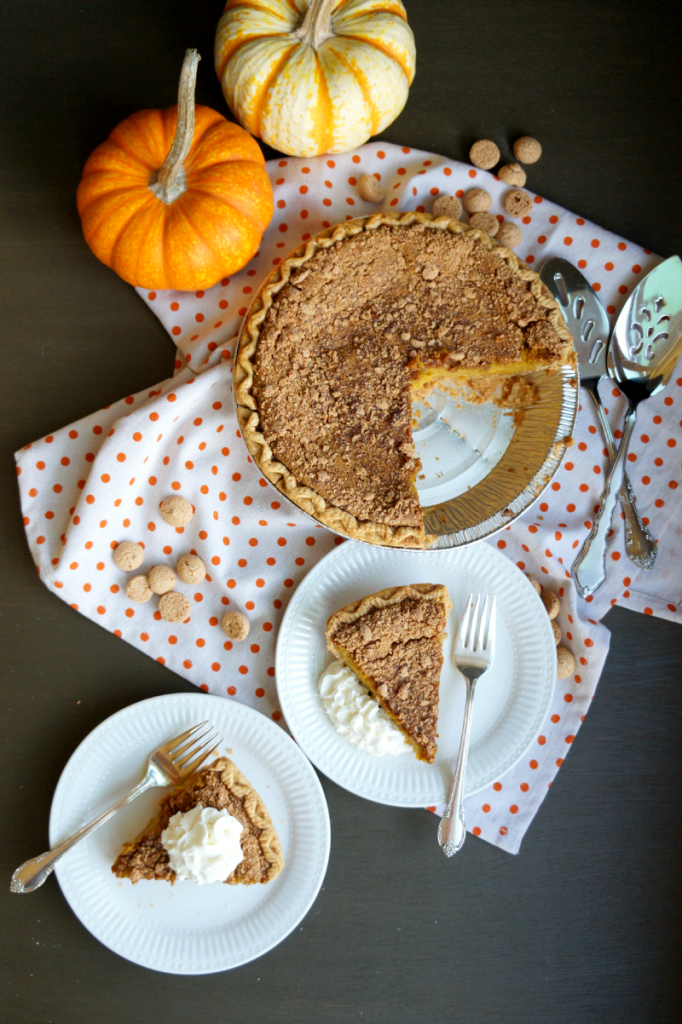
(482, 467)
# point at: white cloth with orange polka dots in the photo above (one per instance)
(91, 485)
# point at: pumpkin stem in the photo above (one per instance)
(170, 181)
(317, 24)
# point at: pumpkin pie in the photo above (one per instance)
(393, 642)
(349, 328)
(220, 785)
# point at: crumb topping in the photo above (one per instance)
(147, 857)
(344, 340)
(399, 649)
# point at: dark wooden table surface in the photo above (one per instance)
(584, 925)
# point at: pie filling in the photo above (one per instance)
(222, 786)
(356, 330)
(393, 642)
(428, 374)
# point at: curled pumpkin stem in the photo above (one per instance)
(317, 24)
(170, 181)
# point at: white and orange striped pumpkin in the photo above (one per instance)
(315, 76)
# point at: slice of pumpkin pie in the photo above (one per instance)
(393, 642)
(212, 827)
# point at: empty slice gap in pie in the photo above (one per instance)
(393, 641)
(350, 328)
(222, 786)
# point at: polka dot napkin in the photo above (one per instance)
(89, 486)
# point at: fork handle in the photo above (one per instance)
(640, 546)
(33, 873)
(452, 830)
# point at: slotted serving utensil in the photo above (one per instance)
(645, 347)
(587, 321)
(473, 655)
(167, 765)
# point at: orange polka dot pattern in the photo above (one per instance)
(98, 482)
(189, 444)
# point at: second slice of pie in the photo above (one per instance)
(393, 641)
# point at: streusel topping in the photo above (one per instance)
(148, 858)
(400, 648)
(346, 337)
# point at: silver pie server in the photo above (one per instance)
(588, 323)
(645, 346)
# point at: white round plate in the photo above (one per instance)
(187, 928)
(512, 699)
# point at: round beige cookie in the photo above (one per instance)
(235, 625)
(447, 206)
(565, 663)
(535, 584)
(162, 579)
(370, 189)
(518, 203)
(477, 200)
(128, 555)
(138, 589)
(512, 174)
(527, 149)
(174, 607)
(484, 154)
(176, 510)
(509, 234)
(191, 570)
(485, 222)
(552, 603)
(557, 632)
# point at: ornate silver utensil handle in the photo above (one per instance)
(452, 830)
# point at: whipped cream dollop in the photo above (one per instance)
(203, 844)
(357, 715)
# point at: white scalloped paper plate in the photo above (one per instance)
(511, 702)
(186, 928)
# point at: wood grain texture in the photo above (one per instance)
(584, 925)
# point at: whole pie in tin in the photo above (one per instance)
(344, 334)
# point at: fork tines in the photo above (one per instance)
(477, 631)
(188, 752)
(199, 754)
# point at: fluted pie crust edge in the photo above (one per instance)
(305, 497)
(382, 599)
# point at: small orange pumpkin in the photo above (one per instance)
(176, 198)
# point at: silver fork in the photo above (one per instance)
(169, 764)
(474, 648)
